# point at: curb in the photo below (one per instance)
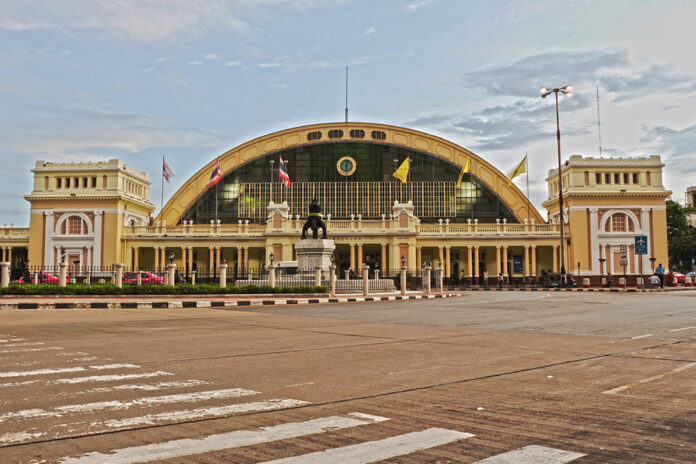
(217, 303)
(613, 290)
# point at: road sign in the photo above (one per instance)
(623, 258)
(641, 244)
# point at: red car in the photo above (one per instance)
(39, 278)
(145, 278)
(680, 277)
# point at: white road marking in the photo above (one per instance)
(299, 384)
(27, 350)
(650, 379)
(14, 437)
(188, 446)
(41, 372)
(683, 328)
(151, 419)
(115, 366)
(468, 302)
(533, 454)
(642, 336)
(109, 378)
(23, 344)
(372, 451)
(148, 387)
(362, 415)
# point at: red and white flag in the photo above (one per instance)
(167, 172)
(216, 175)
(283, 173)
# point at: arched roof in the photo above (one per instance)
(435, 146)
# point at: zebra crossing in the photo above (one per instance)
(32, 410)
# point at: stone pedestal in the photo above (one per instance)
(313, 253)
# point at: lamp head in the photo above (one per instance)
(271, 257)
(403, 260)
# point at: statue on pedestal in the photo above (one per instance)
(314, 221)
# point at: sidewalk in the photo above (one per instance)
(591, 289)
(195, 301)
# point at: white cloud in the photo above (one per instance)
(274, 64)
(211, 56)
(233, 64)
(194, 63)
(161, 59)
(418, 4)
(370, 31)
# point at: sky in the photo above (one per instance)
(190, 79)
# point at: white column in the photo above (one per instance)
(594, 247)
(89, 256)
(645, 230)
(48, 244)
(96, 256)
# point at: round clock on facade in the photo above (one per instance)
(346, 166)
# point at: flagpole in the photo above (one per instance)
(526, 168)
(162, 192)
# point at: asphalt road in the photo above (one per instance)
(500, 377)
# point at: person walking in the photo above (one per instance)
(485, 277)
(660, 273)
(500, 280)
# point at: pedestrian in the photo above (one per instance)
(609, 280)
(500, 280)
(485, 277)
(654, 280)
(660, 273)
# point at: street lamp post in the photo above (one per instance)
(545, 92)
(601, 270)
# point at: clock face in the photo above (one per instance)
(346, 166)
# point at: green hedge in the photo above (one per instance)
(151, 289)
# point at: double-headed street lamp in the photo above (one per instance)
(545, 92)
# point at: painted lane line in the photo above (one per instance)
(533, 454)
(115, 366)
(372, 451)
(148, 387)
(370, 417)
(188, 446)
(109, 378)
(15, 437)
(683, 328)
(23, 344)
(649, 379)
(29, 350)
(187, 414)
(642, 336)
(299, 384)
(41, 372)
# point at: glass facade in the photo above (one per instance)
(370, 190)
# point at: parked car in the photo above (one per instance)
(38, 278)
(145, 278)
(680, 277)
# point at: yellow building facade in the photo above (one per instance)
(100, 214)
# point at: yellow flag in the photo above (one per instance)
(461, 174)
(520, 169)
(402, 172)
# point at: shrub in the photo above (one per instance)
(152, 289)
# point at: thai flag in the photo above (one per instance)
(166, 171)
(283, 173)
(216, 175)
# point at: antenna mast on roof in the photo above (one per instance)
(346, 93)
(599, 126)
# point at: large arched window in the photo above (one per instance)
(619, 222)
(369, 189)
(74, 225)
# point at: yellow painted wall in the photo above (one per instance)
(579, 241)
(36, 239)
(659, 230)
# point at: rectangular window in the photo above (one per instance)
(598, 179)
(607, 178)
(626, 181)
(587, 177)
(84, 182)
(46, 183)
(647, 178)
(59, 182)
(617, 178)
(67, 182)
(104, 182)
(94, 182)
(635, 177)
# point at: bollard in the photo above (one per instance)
(639, 282)
(586, 282)
(675, 282)
(193, 277)
(271, 276)
(426, 279)
(139, 279)
(622, 282)
(63, 273)
(317, 276)
(604, 282)
(223, 275)
(347, 272)
(4, 274)
(440, 279)
(403, 280)
(332, 279)
(171, 274)
(88, 277)
(365, 279)
(688, 282)
(119, 275)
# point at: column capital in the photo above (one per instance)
(645, 210)
(48, 213)
(594, 209)
(98, 213)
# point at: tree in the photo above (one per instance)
(681, 236)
